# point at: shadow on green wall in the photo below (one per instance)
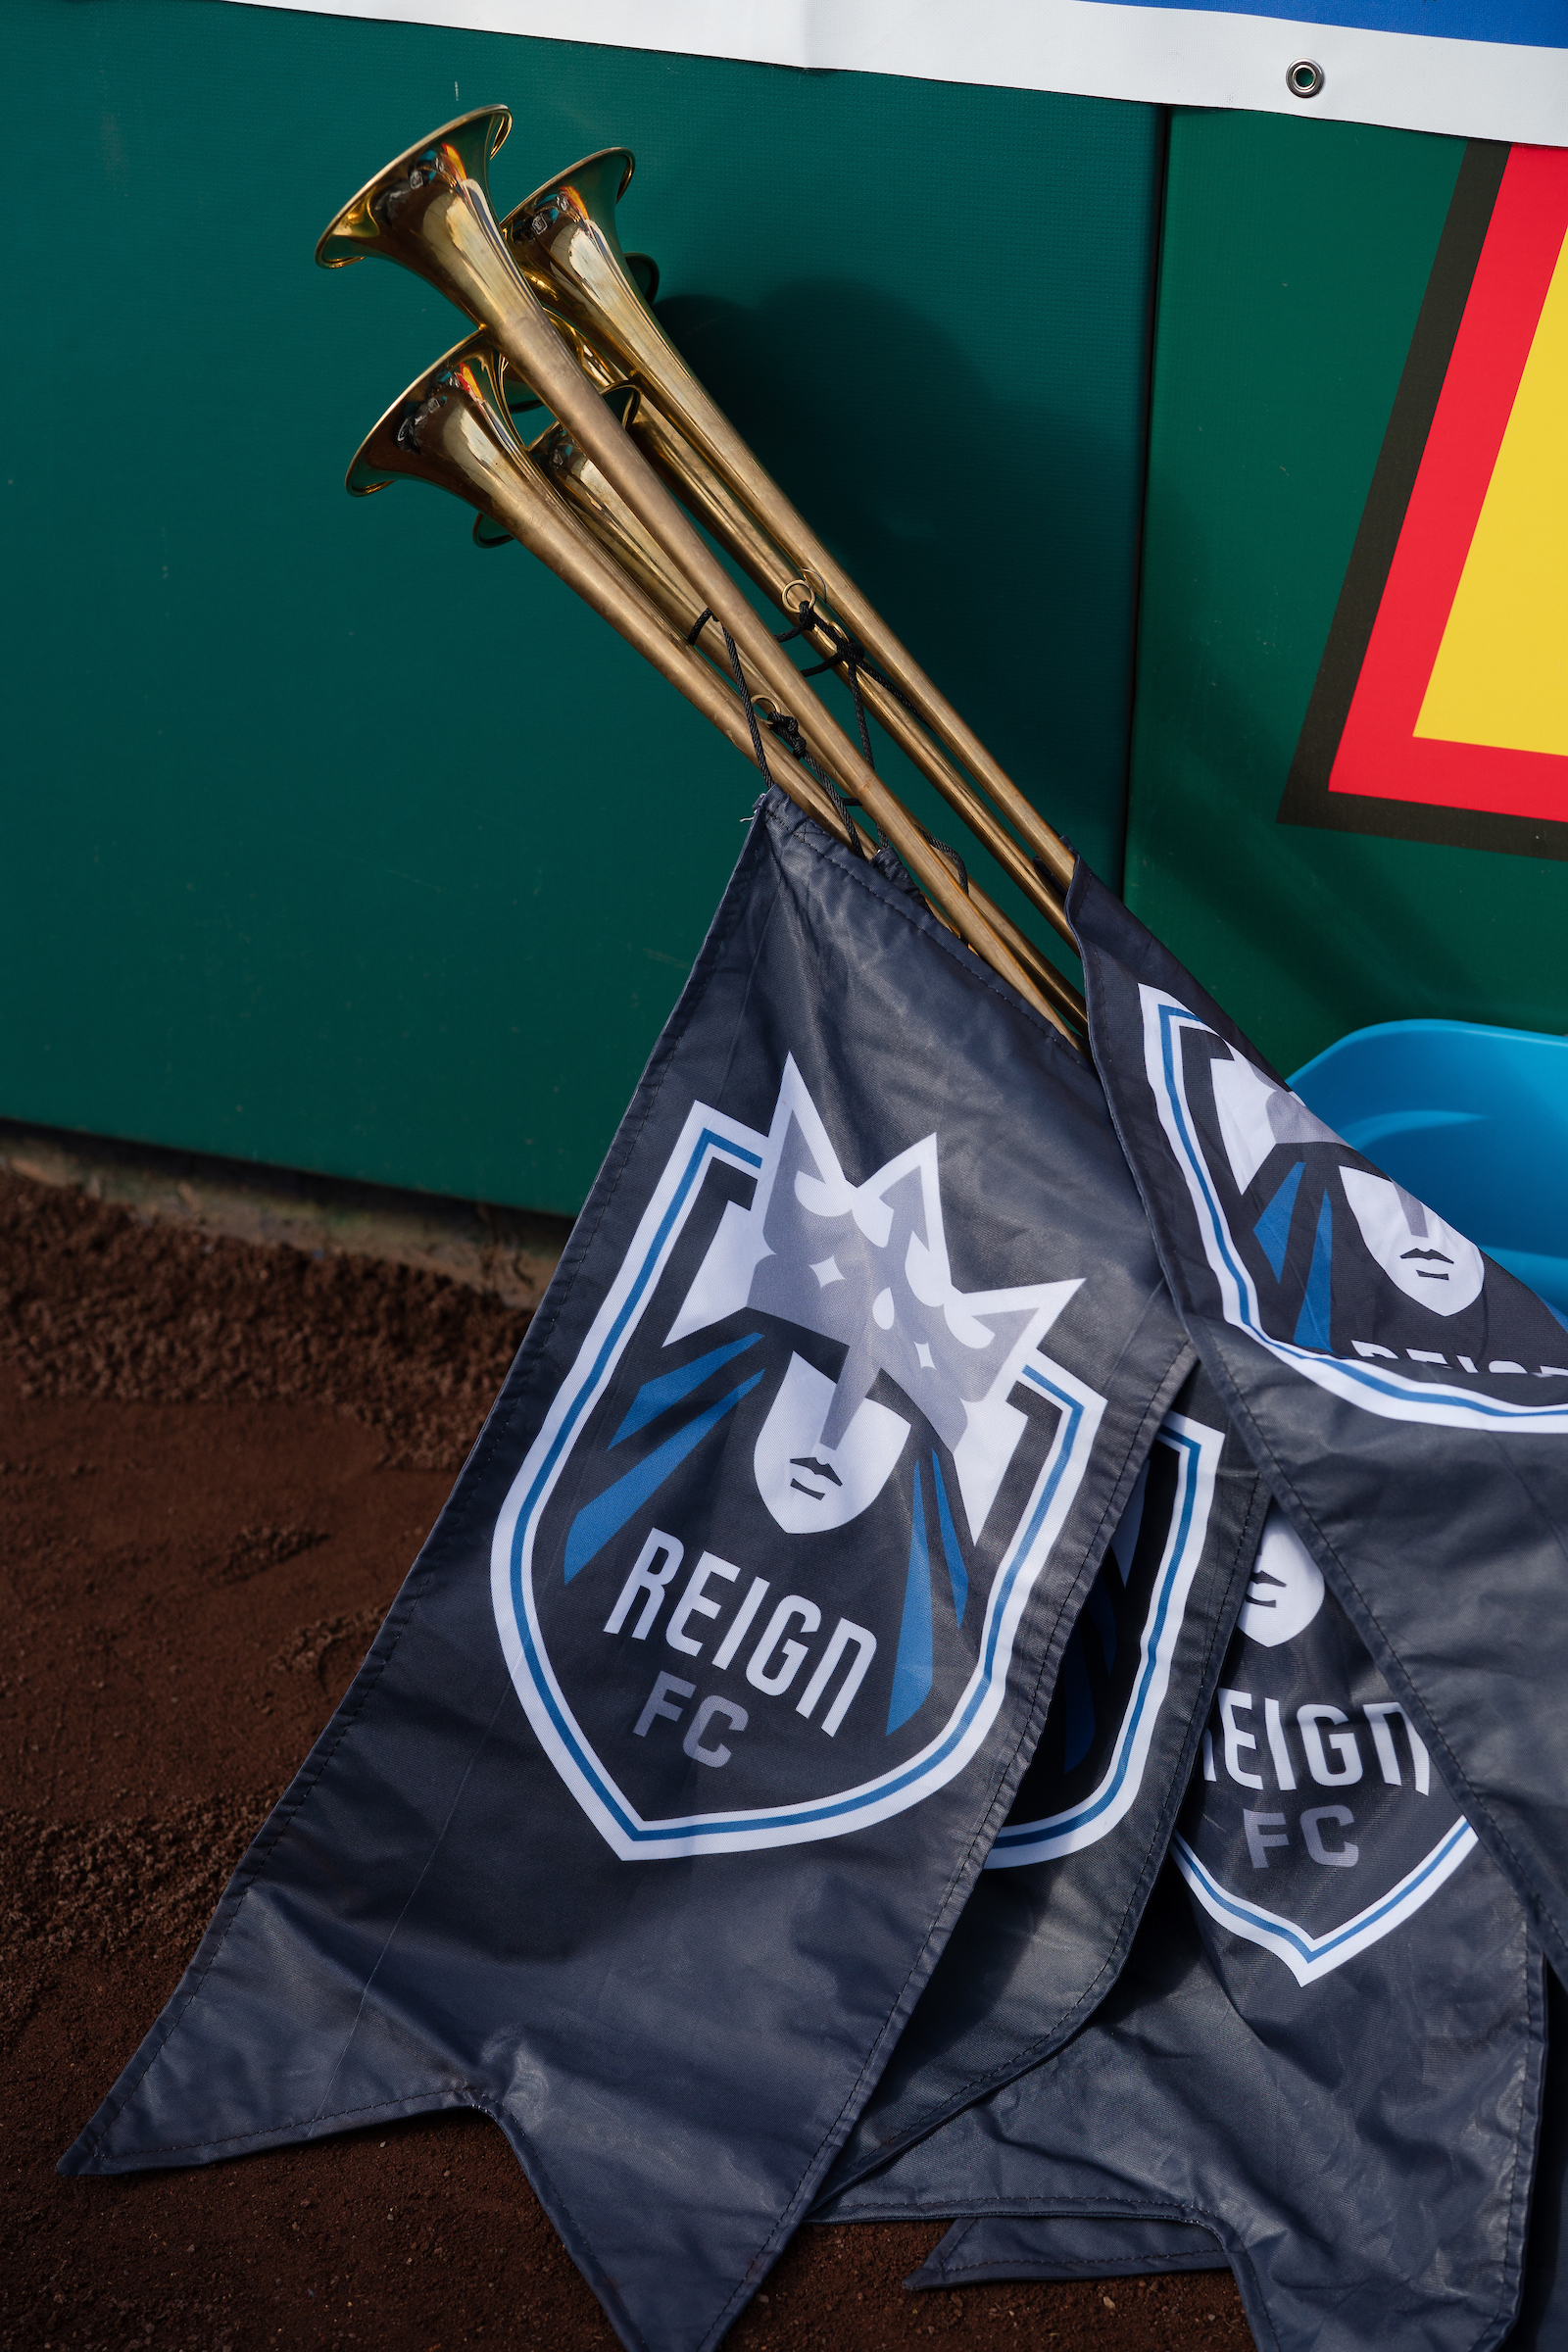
(948, 504)
(342, 847)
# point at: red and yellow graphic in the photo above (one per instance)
(1462, 700)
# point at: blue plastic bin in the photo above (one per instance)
(1474, 1121)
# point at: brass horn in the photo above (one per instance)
(599, 182)
(566, 243)
(451, 428)
(625, 542)
(430, 211)
(616, 528)
(701, 490)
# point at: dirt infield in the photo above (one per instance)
(217, 1461)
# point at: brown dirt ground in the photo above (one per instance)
(216, 1461)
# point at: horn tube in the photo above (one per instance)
(429, 210)
(711, 500)
(624, 540)
(451, 428)
(565, 242)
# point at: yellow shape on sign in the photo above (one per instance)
(1501, 673)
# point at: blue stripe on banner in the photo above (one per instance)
(958, 1574)
(1312, 1947)
(1531, 23)
(655, 1396)
(610, 1512)
(1312, 1324)
(1273, 1227)
(911, 1672)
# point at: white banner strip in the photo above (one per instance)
(1166, 55)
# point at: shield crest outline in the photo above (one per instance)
(707, 1136)
(1371, 1386)
(1309, 1956)
(1197, 1448)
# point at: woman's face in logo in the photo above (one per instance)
(1424, 1256)
(1421, 1255)
(809, 1485)
(1286, 1593)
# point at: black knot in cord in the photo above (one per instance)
(787, 729)
(953, 861)
(806, 617)
(847, 646)
(849, 654)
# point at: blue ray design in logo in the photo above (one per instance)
(912, 1670)
(657, 1397)
(784, 1362)
(913, 1667)
(1078, 1703)
(1313, 1323)
(951, 1550)
(610, 1512)
(1273, 1227)
(1077, 1691)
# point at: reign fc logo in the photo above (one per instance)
(1338, 1272)
(760, 1575)
(1316, 1824)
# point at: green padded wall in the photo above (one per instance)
(1294, 262)
(336, 844)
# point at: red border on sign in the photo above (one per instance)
(1380, 756)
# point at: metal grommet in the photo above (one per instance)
(810, 587)
(1304, 79)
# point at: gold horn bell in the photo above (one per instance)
(451, 428)
(568, 247)
(555, 302)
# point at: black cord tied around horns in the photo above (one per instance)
(740, 685)
(854, 657)
(787, 729)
